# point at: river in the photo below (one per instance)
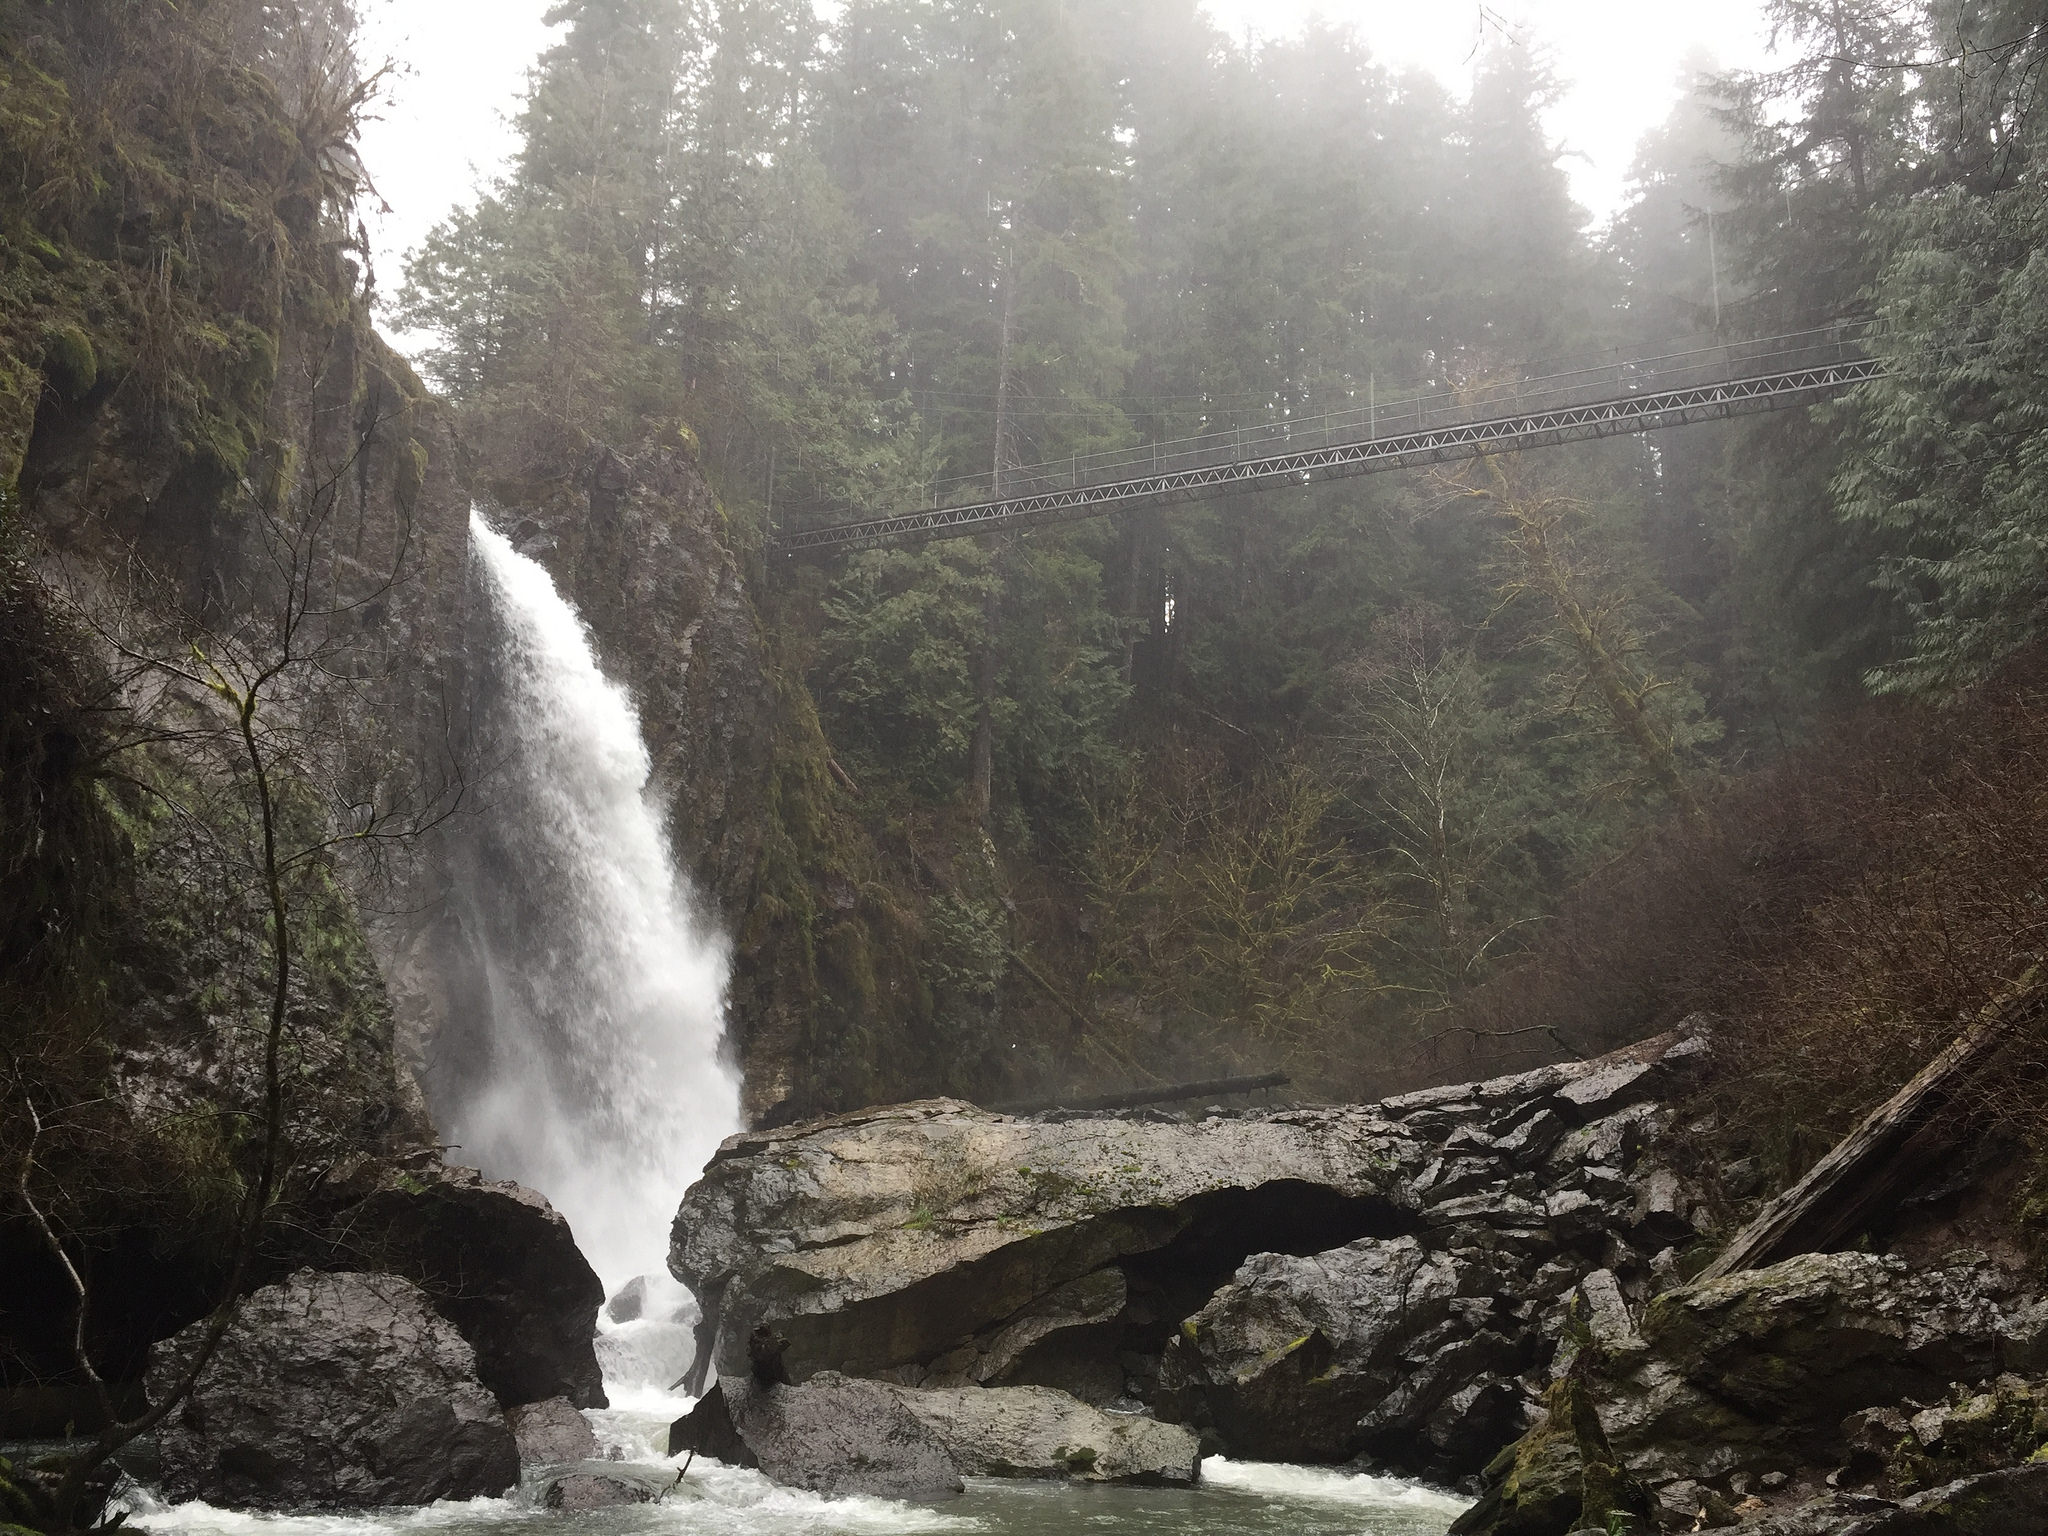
(1234, 1499)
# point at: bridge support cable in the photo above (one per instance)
(1223, 468)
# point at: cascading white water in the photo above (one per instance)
(599, 1081)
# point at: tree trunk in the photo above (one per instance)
(1617, 690)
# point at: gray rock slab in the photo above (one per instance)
(891, 1237)
(1039, 1432)
(583, 1491)
(551, 1433)
(836, 1434)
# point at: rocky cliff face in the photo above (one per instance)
(208, 456)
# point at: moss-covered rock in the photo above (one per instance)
(69, 362)
(1973, 1432)
(1561, 1476)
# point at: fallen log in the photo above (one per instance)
(1897, 1144)
(1217, 1088)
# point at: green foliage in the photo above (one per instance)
(1451, 785)
(1949, 456)
(181, 171)
(25, 1508)
(1909, 193)
(1233, 916)
(896, 662)
(968, 955)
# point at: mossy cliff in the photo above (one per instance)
(196, 421)
(188, 357)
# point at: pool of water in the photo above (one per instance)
(1234, 1499)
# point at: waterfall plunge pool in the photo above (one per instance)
(1234, 1499)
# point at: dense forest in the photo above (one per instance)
(1279, 780)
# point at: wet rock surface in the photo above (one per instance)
(495, 1259)
(1027, 1432)
(836, 1434)
(551, 1433)
(1038, 1432)
(333, 1390)
(580, 1492)
(708, 1430)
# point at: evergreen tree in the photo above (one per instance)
(542, 296)
(1949, 452)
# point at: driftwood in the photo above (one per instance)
(1136, 1099)
(1898, 1143)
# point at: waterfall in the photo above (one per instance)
(592, 1072)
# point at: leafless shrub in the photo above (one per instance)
(1845, 910)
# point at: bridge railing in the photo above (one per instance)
(1587, 383)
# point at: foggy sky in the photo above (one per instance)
(464, 66)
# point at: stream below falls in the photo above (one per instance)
(1234, 1499)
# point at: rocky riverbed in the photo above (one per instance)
(1479, 1289)
(1481, 1286)
(625, 1448)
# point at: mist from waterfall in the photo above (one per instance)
(599, 1081)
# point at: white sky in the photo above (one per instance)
(465, 63)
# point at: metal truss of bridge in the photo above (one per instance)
(1607, 400)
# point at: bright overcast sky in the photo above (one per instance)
(465, 63)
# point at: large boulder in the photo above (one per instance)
(1356, 1349)
(1376, 1280)
(888, 1239)
(551, 1433)
(337, 1391)
(494, 1258)
(1038, 1432)
(2002, 1503)
(833, 1434)
(1030, 1432)
(1757, 1371)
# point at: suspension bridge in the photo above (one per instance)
(1603, 398)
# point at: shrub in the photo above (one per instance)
(1845, 910)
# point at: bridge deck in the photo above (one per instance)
(1639, 395)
